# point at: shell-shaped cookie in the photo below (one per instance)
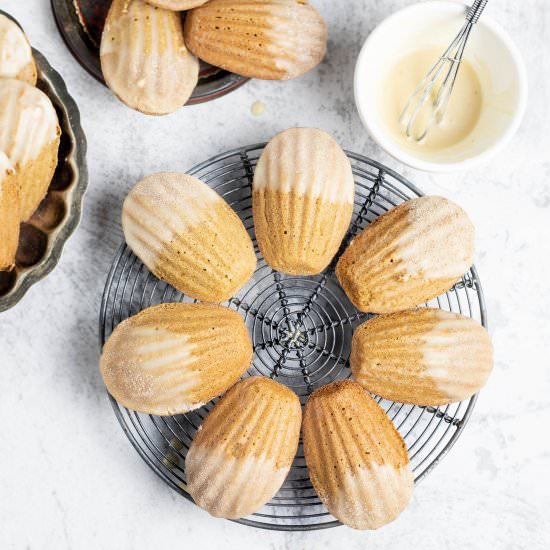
(407, 256)
(144, 59)
(269, 39)
(302, 200)
(357, 461)
(176, 5)
(29, 139)
(173, 358)
(188, 236)
(423, 356)
(16, 59)
(9, 214)
(242, 454)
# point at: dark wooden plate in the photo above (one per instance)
(80, 23)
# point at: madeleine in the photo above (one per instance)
(144, 59)
(188, 236)
(357, 461)
(29, 141)
(407, 256)
(302, 200)
(423, 356)
(244, 449)
(173, 358)
(268, 39)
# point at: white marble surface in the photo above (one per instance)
(69, 478)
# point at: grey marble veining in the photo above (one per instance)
(69, 478)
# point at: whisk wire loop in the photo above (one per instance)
(450, 59)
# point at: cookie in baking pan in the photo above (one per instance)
(407, 256)
(268, 39)
(303, 192)
(16, 59)
(29, 140)
(423, 356)
(243, 451)
(188, 236)
(9, 213)
(144, 59)
(173, 358)
(357, 461)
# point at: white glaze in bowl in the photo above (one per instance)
(490, 51)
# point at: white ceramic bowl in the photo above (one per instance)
(490, 51)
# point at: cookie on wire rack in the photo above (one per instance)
(173, 358)
(243, 451)
(357, 461)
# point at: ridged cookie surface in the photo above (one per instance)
(144, 59)
(173, 358)
(409, 255)
(241, 455)
(302, 200)
(187, 235)
(16, 59)
(29, 140)
(357, 461)
(269, 39)
(423, 356)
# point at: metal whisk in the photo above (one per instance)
(450, 60)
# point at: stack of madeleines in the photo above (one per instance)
(29, 138)
(150, 61)
(173, 358)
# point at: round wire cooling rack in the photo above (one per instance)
(301, 329)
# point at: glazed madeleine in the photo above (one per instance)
(176, 5)
(188, 236)
(357, 461)
(9, 214)
(268, 39)
(173, 358)
(243, 451)
(423, 356)
(29, 140)
(302, 200)
(144, 59)
(16, 59)
(409, 255)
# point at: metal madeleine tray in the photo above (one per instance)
(80, 23)
(43, 237)
(271, 304)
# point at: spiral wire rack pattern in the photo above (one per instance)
(301, 330)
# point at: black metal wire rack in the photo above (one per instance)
(301, 329)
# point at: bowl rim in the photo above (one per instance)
(380, 137)
(74, 211)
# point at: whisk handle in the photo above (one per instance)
(474, 12)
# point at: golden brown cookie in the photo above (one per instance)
(357, 461)
(187, 235)
(409, 255)
(29, 140)
(173, 358)
(144, 59)
(9, 214)
(302, 200)
(243, 451)
(423, 356)
(269, 39)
